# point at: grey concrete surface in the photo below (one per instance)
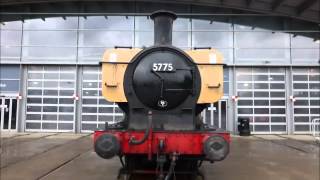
(69, 156)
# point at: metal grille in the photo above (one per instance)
(306, 90)
(262, 99)
(95, 109)
(50, 104)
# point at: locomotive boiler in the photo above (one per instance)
(162, 91)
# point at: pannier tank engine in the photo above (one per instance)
(162, 91)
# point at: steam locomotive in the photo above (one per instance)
(162, 91)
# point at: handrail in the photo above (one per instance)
(316, 128)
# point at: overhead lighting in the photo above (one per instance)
(43, 19)
(106, 17)
(317, 41)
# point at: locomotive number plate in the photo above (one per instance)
(163, 67)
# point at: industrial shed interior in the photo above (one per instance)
(50, 77)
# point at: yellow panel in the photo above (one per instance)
(211, 71)
(114, 65)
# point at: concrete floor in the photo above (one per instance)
(53, 156)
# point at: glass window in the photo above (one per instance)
(277, 94)
(64, 117)
(212, 39)
(89, 117)
(144, 39)
(278, 102)
(66, 100)
(277, 86)
(50, 101)
(32, 126)
(90, 54)
(261, 86)
(106, 38)
(34, 100)
(51, 23)
(211, 24)
(65, 126)
(143, 23)
(276, 56)
(252, 23)
(107, 22)
(261, 110)
(10, 38)
(12, 25)
(261, 102)
(181, 24)
(261, 119)
(50, 38)
(10, 72)
(262, 128)
(34, 108)
(261, 94)
(9, 85)
(280, 128)
(301, 110)
(105, 110)
(89, 101)
(244, 94)
(34, 83)
(49, 126)
(276, 77)
(278, 111)
(245, 103)
(66, 109)
(305, 128)
(48, 53)
(49, 117)
(304, 56)
(261, 40)
(51, 75)
(244, 78)
(305, 41)
(10, 53)
(34, 116)
(278, 119)
(181, 39)
(300, 86)
(245, 110)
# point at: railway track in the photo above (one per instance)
(13, 141)
(294, 144)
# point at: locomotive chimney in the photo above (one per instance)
(163, 21)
